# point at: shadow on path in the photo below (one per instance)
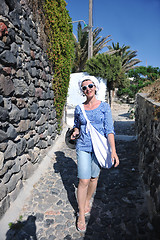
(23, 230)
(124, 128)
(118, 211)
(68, 171)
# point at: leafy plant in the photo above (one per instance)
(127, 56)
(109, 68)
(18, 225)
(60, 50)
(142, 76)
(81, 47)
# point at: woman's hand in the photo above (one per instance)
(115, 159)
(114, 155)
(75, 133)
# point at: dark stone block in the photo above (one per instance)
(26, 27)
(3, 136)
(21, 146)
(24, 113)
(11, 34)
(11, 4)
(11, 132)
(7, 58)
(21, 88)
(4, 9)
(4, 205)
(1, 101)
(14, 16)
(30, 143)
(38, 115)
(4, 115)
(10, 152)
(34, 108)
(6, 85)
(14, 49)
(2, 45)
(26, 48)
(14, 114)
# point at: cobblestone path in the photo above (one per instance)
(118, 210)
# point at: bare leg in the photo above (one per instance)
(81, 196)
(91, 189)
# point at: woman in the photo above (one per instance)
(99, 115)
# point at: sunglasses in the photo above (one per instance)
(90, 86)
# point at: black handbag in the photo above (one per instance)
(71, 143)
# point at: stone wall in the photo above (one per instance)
(148, 129)
(27, 115)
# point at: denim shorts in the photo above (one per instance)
(88, 165)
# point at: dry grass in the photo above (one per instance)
(153, 90)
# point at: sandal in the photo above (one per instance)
(81, 227)
(87, 212)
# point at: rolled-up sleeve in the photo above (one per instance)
(76, 118)
(108, 122)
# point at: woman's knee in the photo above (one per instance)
(84, 182)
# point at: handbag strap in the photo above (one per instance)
(85, 115)
(83, 111)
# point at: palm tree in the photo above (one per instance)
(128, 59)
(81, 47)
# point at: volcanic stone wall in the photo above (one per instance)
(27, 115)
(148, 128)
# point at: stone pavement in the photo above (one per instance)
(118, 209)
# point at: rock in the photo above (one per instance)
(3, 29)
(21, 146)
(11, 132)
(14, 49)
(21, 88)
(24, 113)
(26, 27)
(3, 146)
(21, 103)
(14, 114)
(27, 170)
(11, 34)
(1, 160)
(23, 125)
(31, 90)
(2, 45)
(4, 9)
(26, 47)
(10, 151)
(41, 121)
(34, 108)
(3, 191)
(39, 92)
(7, 103)
(4, 205)
(4, 114)
(7, 58)
(13, 181)
(30, 143)
(6, 85)
(14, 16)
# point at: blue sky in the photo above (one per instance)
(130, 22)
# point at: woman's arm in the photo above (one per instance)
(114, 155)
(76, 124)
